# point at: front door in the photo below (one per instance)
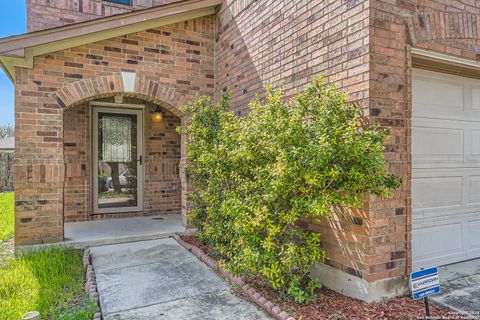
(117, 160)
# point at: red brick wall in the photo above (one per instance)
(162, 193)
(38, 164)
(449, 27)
(270, 41)
(77, 155)
(361, 45)
(364, 47)
(162, 189)
(44, 14)
(178, 58)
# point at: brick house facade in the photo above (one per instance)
(44, 14)
(369, 48)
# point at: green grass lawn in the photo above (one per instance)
(7, 220)
(50, 281)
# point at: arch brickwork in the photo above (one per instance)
(142, 87)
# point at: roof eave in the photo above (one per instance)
(8, 64)
(19, 51)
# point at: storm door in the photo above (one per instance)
(117, 136)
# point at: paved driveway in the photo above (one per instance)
(460, 283)
(159, 279)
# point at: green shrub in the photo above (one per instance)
(7, 131)
(257, 177)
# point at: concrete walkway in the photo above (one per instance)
(461, 287)
(113, 231)
(159, 279)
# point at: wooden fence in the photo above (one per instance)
(6, 171)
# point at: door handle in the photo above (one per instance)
(140, 160)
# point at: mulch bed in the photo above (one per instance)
(332, 305)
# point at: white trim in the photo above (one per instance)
(140, 152)
(445, 57)
(129, 79)
(117, 105)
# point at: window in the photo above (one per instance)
(125, 2)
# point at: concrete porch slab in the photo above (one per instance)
(103, 232)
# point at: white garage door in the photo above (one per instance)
(446, 169)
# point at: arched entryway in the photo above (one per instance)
(122, 159)
(56, 184)
(122, 152)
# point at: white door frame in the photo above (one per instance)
(114, 108)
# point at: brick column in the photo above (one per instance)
(38, 165)
(388, 249)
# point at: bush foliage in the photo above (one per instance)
(6, 131)
(256, 177)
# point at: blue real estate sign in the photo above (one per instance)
(425, 283)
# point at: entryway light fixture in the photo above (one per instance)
(157, 115)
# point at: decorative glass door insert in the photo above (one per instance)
(117, 160)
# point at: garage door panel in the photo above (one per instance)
(474, 190)
(437, 192)
(473, 232)
(447, 122)
(445, 96)
(445, 169)
(437, 145)
(476, 98)
(475, 144)
(434, 95)
(437, 243)
(445, 191)
(433, 215)
(445, 143)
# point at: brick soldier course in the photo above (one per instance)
(364, 46)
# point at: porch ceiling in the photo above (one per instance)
(19, 51)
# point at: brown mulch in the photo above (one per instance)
(197, 242)
(334, 306)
